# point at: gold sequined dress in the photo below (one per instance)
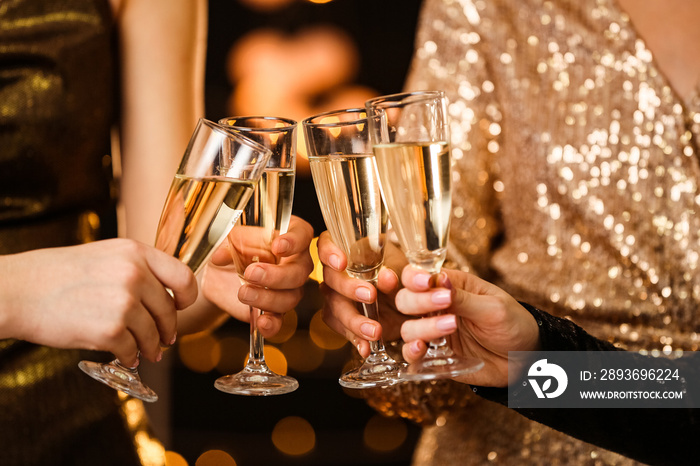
(57, 101)
(575, 188)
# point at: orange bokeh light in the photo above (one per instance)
(294, 436)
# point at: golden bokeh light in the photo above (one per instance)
(302, 353)
(215, 458)
(317, 273)
(323, 335)
(294, 436)
(233, 351)
(200, 352)
(289, 326)
(275, 359)
(174, 459)
(384, 434)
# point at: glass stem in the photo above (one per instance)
(371, 310)
(256, 355)
(438, 347)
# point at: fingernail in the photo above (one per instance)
(414, 347)
(159, 357)
(446, 283)
(368, 330)
(136, 364)
(282, 246)
(172, 342)
(363, 294)
(264, 324)
(446, 322)
(334, 260)
(422, 280)
(441, 297)
(248, 293)
(256, 274)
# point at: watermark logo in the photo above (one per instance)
(547, 372)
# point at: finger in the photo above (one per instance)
(222, 255)
(279, 301)
(292, 273)
(417, 280)
(343, 316)
(421, 303)
(413, 351)
(269, 323)
(336, 305)
(296, 240)
(429, 328)
(145, 332)
(174, 275)
(278, 276)
(329, 254)
(387, 280)
(352, 288)
(124, 347)
(160, 306)
(180, 292)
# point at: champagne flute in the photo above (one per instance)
(216, 177)
(344, 173)
(264, 219)
(410, 139)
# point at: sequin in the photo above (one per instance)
(579, 165)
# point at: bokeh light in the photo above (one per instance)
(385, 434)
(199, 352)
(266, 5)
(275, 359)
(302, 353)
(294, 436)
(317, 273)
(323, 335)
(289, 326)
(174, 459)
(215, 458)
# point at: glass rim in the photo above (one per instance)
(401, 98)
(214, 126)
(309, 121)
(288, 123)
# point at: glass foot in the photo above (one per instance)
(119, 377)
(256, 381)
(378, 370)
(441, 367)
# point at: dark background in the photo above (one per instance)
(203, 418)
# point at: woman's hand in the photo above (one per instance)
(108, 295)
(342, 293)
(479, 320)
(274, 288)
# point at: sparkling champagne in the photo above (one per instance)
(264, 218)
(348, 193)
(415, 180)
(197, 216)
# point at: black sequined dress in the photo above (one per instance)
(57, 106)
